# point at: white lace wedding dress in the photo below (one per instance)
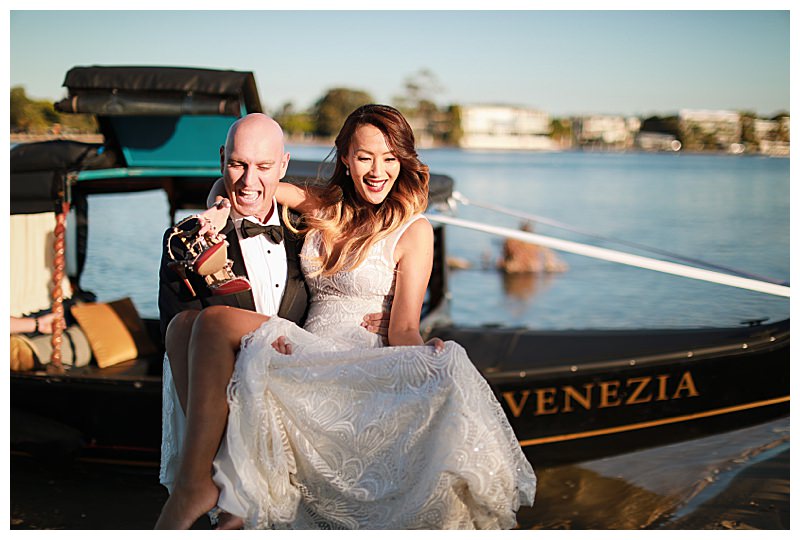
(347, 433)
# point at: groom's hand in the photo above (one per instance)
(282, 345)
(377, 323)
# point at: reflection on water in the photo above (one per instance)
(657, 487)
(524, 286)
(573, 497)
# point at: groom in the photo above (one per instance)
(253, 161)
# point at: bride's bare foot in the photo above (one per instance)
(229, 522)
(186, 504)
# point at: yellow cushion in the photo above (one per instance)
(126, 311)
(105, 327)
(21, 354)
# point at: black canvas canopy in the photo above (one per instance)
(38, 171)
(125, 90)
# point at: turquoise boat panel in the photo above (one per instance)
(171, 141)
(149, 173)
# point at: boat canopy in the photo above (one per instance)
(162, 116)
(151, 90)
(39, 172)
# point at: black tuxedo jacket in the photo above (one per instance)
(174, 296)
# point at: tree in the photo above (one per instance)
(420, 91)
(418, 104)
(39, 116)
(294, 122)
(662, 124)
(561, 130)
(28, 115)
(452, 131)
(331, 110)
(783, 126)
(747, 122)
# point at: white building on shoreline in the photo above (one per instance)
(505, 127)
(606, 131)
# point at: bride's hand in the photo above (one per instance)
(282, 345)
(214, 218)
(436, 343)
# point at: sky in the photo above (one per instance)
(563, 62)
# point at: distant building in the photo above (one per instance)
(423, 138)
(710, 129)
(606, 132)
(650, 141)
(785, 122)
(766, 129)
(505, 127)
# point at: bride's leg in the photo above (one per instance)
(179, 332)
(215, 339)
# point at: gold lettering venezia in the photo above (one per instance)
(603, 394)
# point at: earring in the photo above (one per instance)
(347, 171)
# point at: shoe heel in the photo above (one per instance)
(212, 260)
(231, 286)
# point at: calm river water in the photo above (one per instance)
(732, 211)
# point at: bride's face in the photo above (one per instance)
(373, 166)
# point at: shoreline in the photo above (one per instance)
(97, 138)
(17, 138)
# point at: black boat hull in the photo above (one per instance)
(646, 394)
(590, 405)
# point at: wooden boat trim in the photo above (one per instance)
(696, 354)
(652, 423)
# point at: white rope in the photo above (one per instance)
(553, 223)
(618, 256)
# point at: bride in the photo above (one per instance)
(326, 426)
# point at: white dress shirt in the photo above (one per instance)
(265, 263)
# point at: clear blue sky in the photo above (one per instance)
(563, 62)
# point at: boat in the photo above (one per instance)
(570, 395)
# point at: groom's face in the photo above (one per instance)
(253, 164)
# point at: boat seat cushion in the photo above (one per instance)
(75, 350)
(22, 357)
(115, 331)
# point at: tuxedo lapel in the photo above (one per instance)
(294, 303)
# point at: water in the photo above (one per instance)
(729, 211)
(732, 211)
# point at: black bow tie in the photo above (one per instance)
(273, 232)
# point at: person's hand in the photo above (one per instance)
(282, 345)
(436, 343)
(213, 219)
(46, 323)
(377, 323)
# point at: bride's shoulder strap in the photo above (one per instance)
(394, 238)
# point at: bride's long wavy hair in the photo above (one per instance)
(344, 214)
